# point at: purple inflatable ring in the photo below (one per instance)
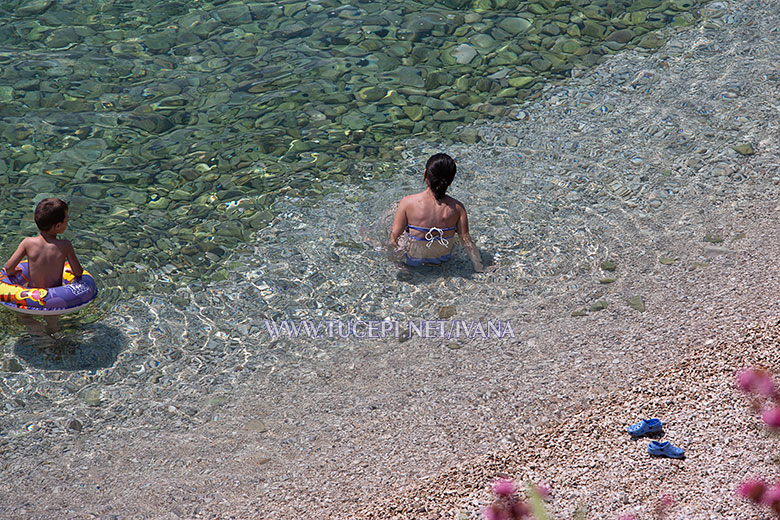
(72, 295)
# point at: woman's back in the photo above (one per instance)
(424, 211)
(426, 222)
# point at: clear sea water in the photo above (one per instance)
(228, 163)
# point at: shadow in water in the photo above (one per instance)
(89, 347)
(459, 267)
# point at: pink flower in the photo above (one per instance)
(746, 379)
(504, 487)
(752, 489)
(765, 386)
(772, 417)
(544, 490)
(756, 380)
(629, 516)
(496, 512)
(520, 510)
(491, 513)
(771, 498)
(664, 505)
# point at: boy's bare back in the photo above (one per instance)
(46, 259)
(46, 254)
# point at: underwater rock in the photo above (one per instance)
(515, 26)
(234, 14)
(621, 36)
(33, 7)
(637, 302)
(152, 123)
(371, 94)
(744, 149)
(6, 94)
(464, 53)
(468, 137)
(409, 76)
(651, 41)
(593, 30)
(12, 365)
(62, 38)
(483, 41)
(446, 311)
(607, 265)
(92, 396)
(256, 426)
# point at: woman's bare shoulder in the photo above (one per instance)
(455, 203)
(411, 199)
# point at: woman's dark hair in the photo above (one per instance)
(439, 173)
(49, 212)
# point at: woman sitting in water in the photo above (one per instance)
(425, 223)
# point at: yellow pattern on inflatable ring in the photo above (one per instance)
(19, 295)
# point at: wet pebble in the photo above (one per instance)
(637, 303)
(446, 311)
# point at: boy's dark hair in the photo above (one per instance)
(440, 172)
(50, 212)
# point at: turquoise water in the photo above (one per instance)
(228, 163)
(173, 128)
(209, 194)
(179, 131)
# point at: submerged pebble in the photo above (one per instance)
(273, 98)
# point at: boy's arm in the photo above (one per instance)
(70, 254)
(399, 223)
(10, 265)
(471, 248)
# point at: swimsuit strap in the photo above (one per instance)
(418, 228)
(430, 237)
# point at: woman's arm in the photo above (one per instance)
(399, 223)
(463, 232)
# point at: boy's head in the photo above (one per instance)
(439, 173)
(50, 212)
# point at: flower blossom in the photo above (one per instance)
(504, 487)
(772, 417)
(752, 489)
(756, 380)
(544, 490)
(771, 497)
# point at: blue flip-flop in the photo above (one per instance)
(644, 427)
(665, 449)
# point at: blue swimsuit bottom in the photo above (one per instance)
(430, 237)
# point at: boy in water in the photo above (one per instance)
(426, 222)
(46, 254)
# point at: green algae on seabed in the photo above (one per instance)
(172, 129)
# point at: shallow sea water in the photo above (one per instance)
(176, 133)
(546, 206)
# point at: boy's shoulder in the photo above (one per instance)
(62, 242)
(30, 241)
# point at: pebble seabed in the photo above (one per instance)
(201, 417)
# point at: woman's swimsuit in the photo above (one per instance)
(433, 237)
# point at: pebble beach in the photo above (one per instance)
(681, 145)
